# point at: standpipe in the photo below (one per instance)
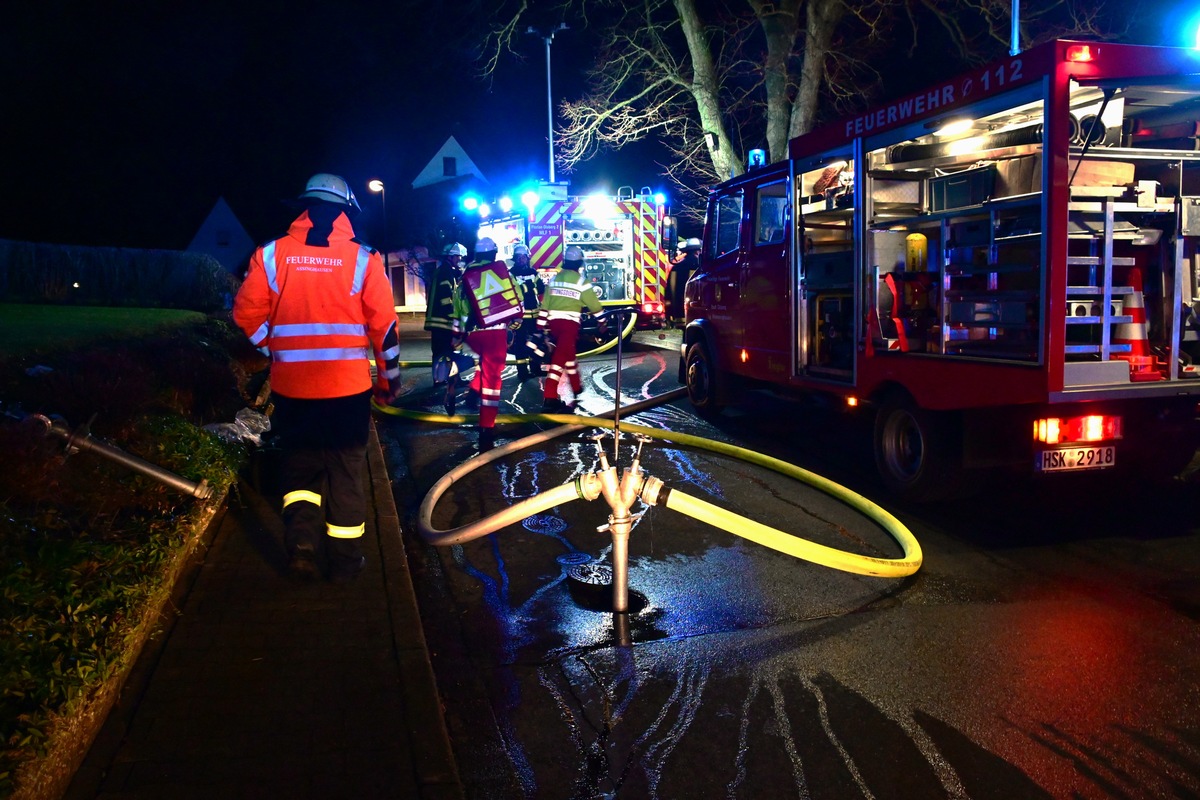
(633, 485)
(81, 440)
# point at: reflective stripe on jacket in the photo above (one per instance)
(321, 312)
(566, 295)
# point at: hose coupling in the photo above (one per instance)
(587, 487)
(654, 492)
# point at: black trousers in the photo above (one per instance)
(519, 346)
(441, 343)
(324, 458)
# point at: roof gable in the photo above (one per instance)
(223, 237)
(436, 170)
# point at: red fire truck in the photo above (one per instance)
(1004, 267)
(625, 240)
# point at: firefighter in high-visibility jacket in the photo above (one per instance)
(319, 303)
(487, 302)
(442, 322)
(567, 294)
(526, 338)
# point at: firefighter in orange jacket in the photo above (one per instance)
(318, 302)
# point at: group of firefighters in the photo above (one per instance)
(318, 303)
(479, 304)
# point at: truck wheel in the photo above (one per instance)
(700, 375)
(916, 452)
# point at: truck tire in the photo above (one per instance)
(700, 377)
(917, 452)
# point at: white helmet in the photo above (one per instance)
(331, 189)
(520, 250)
(455, 249)
(692, 244)
(485, 245)
(573, 254)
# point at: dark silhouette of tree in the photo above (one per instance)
(711, 79)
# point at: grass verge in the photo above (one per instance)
(89, 551)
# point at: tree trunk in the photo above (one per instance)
(705, 90)
(823, 17)
(780, 25)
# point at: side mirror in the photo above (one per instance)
(669, 237)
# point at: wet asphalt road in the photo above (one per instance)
(1047, 647)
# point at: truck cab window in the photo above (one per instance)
(770, 215)
(729, 222)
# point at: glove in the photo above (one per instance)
(384, 394)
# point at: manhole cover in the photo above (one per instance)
(544, 523)
(570, 559)
(591, 574)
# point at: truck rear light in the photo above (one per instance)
(1080, 52)
(1069, 430)
(652, 308)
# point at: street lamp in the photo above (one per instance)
(549, 37)
(376, 185)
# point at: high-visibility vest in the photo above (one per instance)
(491, 297)
(566, 296)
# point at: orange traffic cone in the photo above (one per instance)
(1133, 333)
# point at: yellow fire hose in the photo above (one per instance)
(685, 504)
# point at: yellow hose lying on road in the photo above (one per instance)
(728, 521)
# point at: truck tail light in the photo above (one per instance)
(1080, 52)
(653, 308)
(1070, 430)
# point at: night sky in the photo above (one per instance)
(124, 127)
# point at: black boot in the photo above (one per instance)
(451, 391)
(487, 439)
(302, 567)
(522, 373)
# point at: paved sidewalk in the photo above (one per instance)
(262, 688)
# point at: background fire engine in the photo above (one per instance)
(626, 240)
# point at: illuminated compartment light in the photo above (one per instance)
(955, 127)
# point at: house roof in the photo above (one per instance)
(434, 171)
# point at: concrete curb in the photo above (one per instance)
(437, 771)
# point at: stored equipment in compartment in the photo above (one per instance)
(1035, 271)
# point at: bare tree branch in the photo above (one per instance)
(709, 79)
